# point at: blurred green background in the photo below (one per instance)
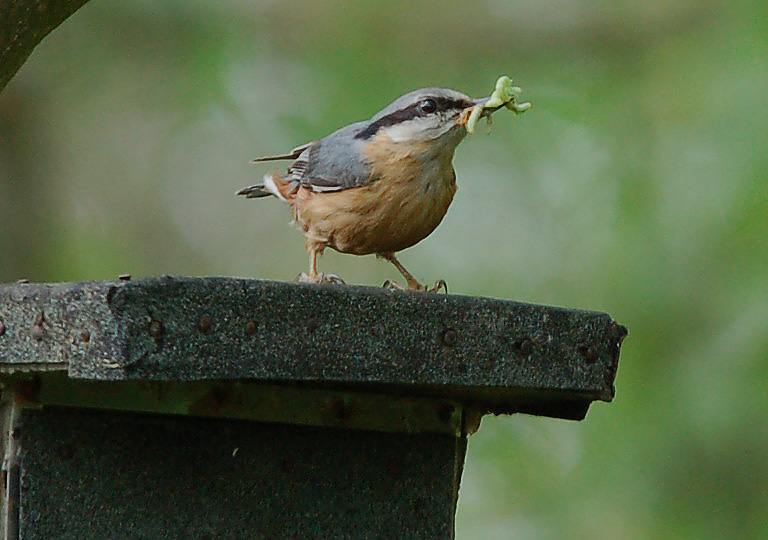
(636, 185)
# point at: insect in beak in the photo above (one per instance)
(504, 95)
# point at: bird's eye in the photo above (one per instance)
(428, 106)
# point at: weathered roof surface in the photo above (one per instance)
(499, 355)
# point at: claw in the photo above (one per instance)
(440, 284)
(303, 277)
(320, 278)
(395, 286)
(331, 278)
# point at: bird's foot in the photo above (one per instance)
(416, 286)
(393, 286)
(439, 284)
(320, 278)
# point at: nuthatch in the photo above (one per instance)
(377, 186)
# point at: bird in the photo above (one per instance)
(376, 186)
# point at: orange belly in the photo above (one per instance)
(388, 215)
(410, 190)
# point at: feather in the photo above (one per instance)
(295, 153)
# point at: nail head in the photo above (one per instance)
(37, 332)
(204, 324)
(449, 337)
(155, 329)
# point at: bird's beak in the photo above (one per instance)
(465, 114)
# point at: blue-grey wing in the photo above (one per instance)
(332, 163)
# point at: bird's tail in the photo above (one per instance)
(254, 192)
(272, 186)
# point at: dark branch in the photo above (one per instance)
(24, 24)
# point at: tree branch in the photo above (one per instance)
(24, 24)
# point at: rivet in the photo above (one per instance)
(37, 333)
(111, 294)
(589, 354)
(204, 324)
(524, 346)
(377, 330)
(37, 329)
(449, 337)
(312, 325)
(250, 328)
(155, 329)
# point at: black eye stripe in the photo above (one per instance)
(444, 103)
(410, 112)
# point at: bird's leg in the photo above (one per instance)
(409, 279)
(313, 253)
(314, 276)
(413, 284)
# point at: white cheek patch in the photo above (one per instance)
(418, 129)
(269, 184)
